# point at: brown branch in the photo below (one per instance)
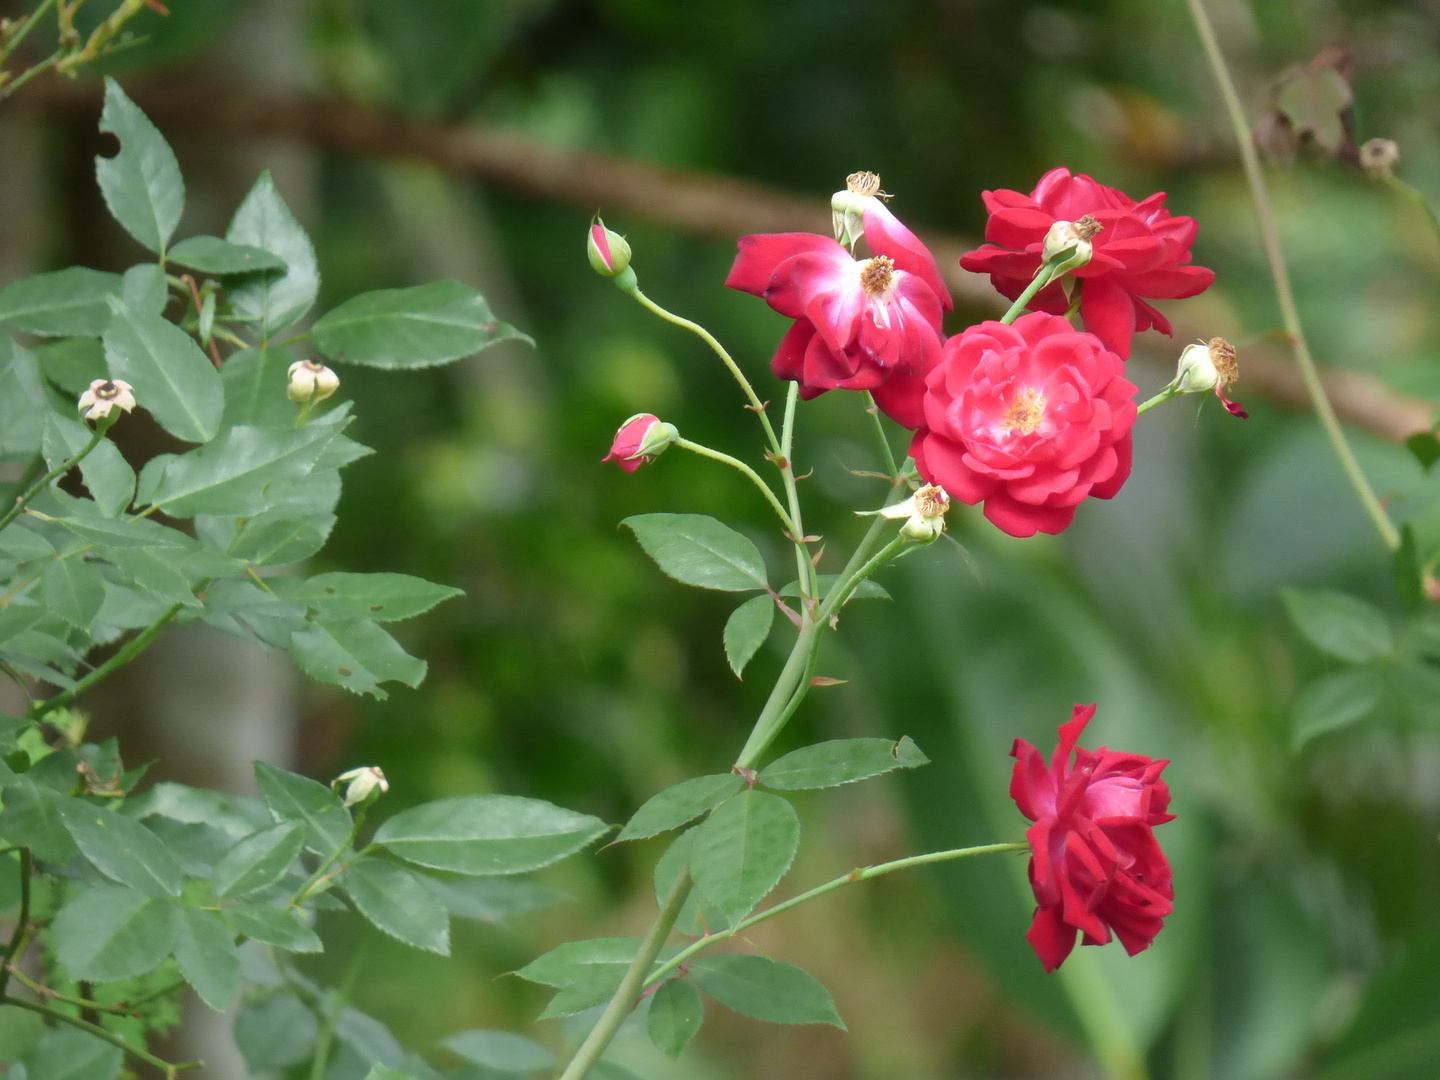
(703, 205)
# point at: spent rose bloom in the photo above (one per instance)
(1029, 419)
(639, 441)
(1095, 865)
(860, 324)
(1138, 251)
(103, 395)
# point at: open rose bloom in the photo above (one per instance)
(1141, 252)
(860, 324)
(1029, 419)
(1095, 865)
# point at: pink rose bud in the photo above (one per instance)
(639, 441)
(608, 251)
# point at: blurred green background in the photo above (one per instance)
(1304, 942)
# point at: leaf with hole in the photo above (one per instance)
(141, 184)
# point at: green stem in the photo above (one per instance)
(24, 31)
(45, 993)
(851, 878)
(100, 1033)
(881, 437)
(58, 471)
(1274, 255)
(303, 893)
(1042, 278)
(1159, 399)
(695, 328)
(27, 866)
(630, 987)
(741, 467)
(805, 569)
(336, 1004)
(127, 652)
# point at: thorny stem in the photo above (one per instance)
(55, 473)
(100, 1033)
(756, 404)
(127, 652)
(805, 569)
(864, 874)
(746, 470)
(45, 993)
(22, 922)
(880, 436)
(629, 990)
(1275, 256)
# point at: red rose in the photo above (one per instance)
(1140, 251)
(1095, 865)
(639, 441)
(1029, 419)
(860, 324)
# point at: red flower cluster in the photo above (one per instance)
(1140, 251)
(1029, 419)
(1095, 865)
(860, 324)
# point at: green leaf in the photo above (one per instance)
(1409, 588)
(492, 899)
(398, 903)
(23, 406)
(381, 1072)
(487, 834)
(145, 289)
(1340, 625)
(275, 1033)
(1423, 445)
(106, 472)
(410, 328)
(381, 597)
(31, 818)
(255, 382)
(231, 474)
(278, 926)
(73, 589)
(764, 989)
(121, 848)
(173, 379)
(501, 1051)
(698, 550)
(211, 255)
(742, 850)
(292, 797)
(205, 950)
(111, 932)
(1334, 701)
(746, 630)
(698, 915)
(141, 184)
(676, 1012)
(258, 861)
(60, 304)
(275, 300)
(65, 1053)
(586, 973)
(840, 761)
(356, 654)
(869, 589)
(680, 803)
(233, 815)
(73, 363)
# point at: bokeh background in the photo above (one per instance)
(1304, 942)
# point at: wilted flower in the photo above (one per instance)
(925, 513)
(362, 784)
(312, 381)
(1210, 366)
(1029, 419)
(639, 441)
(104, 395)
(1068, 244)
(1378, 158)
(1095, 865)
(1141, 252)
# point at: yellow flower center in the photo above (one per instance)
(1026, 411)
(876, 274)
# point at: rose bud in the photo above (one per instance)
(1095, 865)
(104, 395)
(312, 381)
(609, 255)
(1067, 245)
(639, 441)
(362, 785)
(924, 512)
(1210, 366)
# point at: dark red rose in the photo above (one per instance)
(860, 324)
(1028, 419)
(639, 440)
(1141, 251)
(1095, 865)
